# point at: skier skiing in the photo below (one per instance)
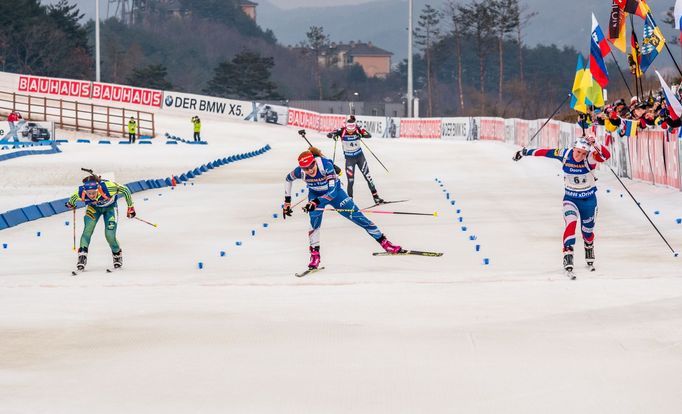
(580, 199)
(350, 136)
(325, 189)
(100, 197)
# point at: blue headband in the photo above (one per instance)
(91, 185)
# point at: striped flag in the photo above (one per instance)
(599, 48)
(678, 16)
(638, 7)
(674, 106)
(629, 128)
(617, 34)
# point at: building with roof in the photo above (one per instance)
(249, 8)
(374, 60)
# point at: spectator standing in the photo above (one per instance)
(197, 128)
(132, 130)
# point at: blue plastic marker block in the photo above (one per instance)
(15, 217)
(190, 174)
(441, 184)
(144, 142)
(486, 261)
(464, 228)
(460, 219)
(3, 223)
(452, 202)
(169, 182)
(209, 166)
(621, 196)
(46, 209)
(222, 253)
(171, 142)
(83, 141)
(238, 243)
(203, 168)
(192, 183)
(183, 178)
(274, 215)
(4, 245)
(123, 142)
(678, 220)
(32, 212)
(201, 265)
(265, 225)
(66, 223)
(657, 212)
(59, 206)
(447, 196)
(478, 247)
(608, 190)
(38, 234)
(253, 232)
(145, 199)
(459, 211)
(472, 237)
(196, 171)
(143, 184)
(104, 141)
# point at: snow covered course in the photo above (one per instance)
(365, 335)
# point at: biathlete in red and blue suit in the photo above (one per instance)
(325, 190)
(580, 198)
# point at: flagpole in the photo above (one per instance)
(671, 56)
(621, 73)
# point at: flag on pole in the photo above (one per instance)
(578, 95)
(678, 17)
(635, 58)
(638, 7)
(674, 106)
(629, 128)
(652, 43)
(617, 34)
(599, 49)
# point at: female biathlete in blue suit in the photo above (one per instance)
(325, 190)
(580, 198)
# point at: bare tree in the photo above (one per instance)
(524, 18)
(506, 18)
(459, 30)
(426, 34)
(478, 17)
(317, 40)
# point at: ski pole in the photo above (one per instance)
(374, 155)
(146, 222)
(74, 229)
(301, 132)
(638, 205)
(434, 214)
(549, 119)
(334, 156)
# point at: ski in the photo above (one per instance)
(591, 267)
(409, 253)
(113, 269)
(385, 202)
(77, 272)
(569, 274)
(309, 271)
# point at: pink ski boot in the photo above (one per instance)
(388, 246)
(314, 257)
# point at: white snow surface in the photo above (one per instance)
(365, 335)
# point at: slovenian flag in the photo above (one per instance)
(674, 106)
(678, 16)
(599, 48)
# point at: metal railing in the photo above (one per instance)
(81, 116)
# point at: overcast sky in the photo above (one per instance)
(292, 4)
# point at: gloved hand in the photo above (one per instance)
(69, 206)
(131, 212)
(312, 205)
(333, 136)
(590, 140)
(286, 210)
(519, 154)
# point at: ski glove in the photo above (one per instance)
(333, 136)
(286, 208)
(69, 206)
(312, 205)
(131, 212)
(519, 154)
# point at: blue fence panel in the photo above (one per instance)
(32, 212)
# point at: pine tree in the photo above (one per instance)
(317, 40)
(247, 76)
(426, 34)
(152, 77)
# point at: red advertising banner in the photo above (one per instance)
(655, 158)
(491, 129)
(331, 122)
(304, 119)
(521, 132)
(91, 90)
(126, 94)
(52, 86)
(549, 136)
(421, 128)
